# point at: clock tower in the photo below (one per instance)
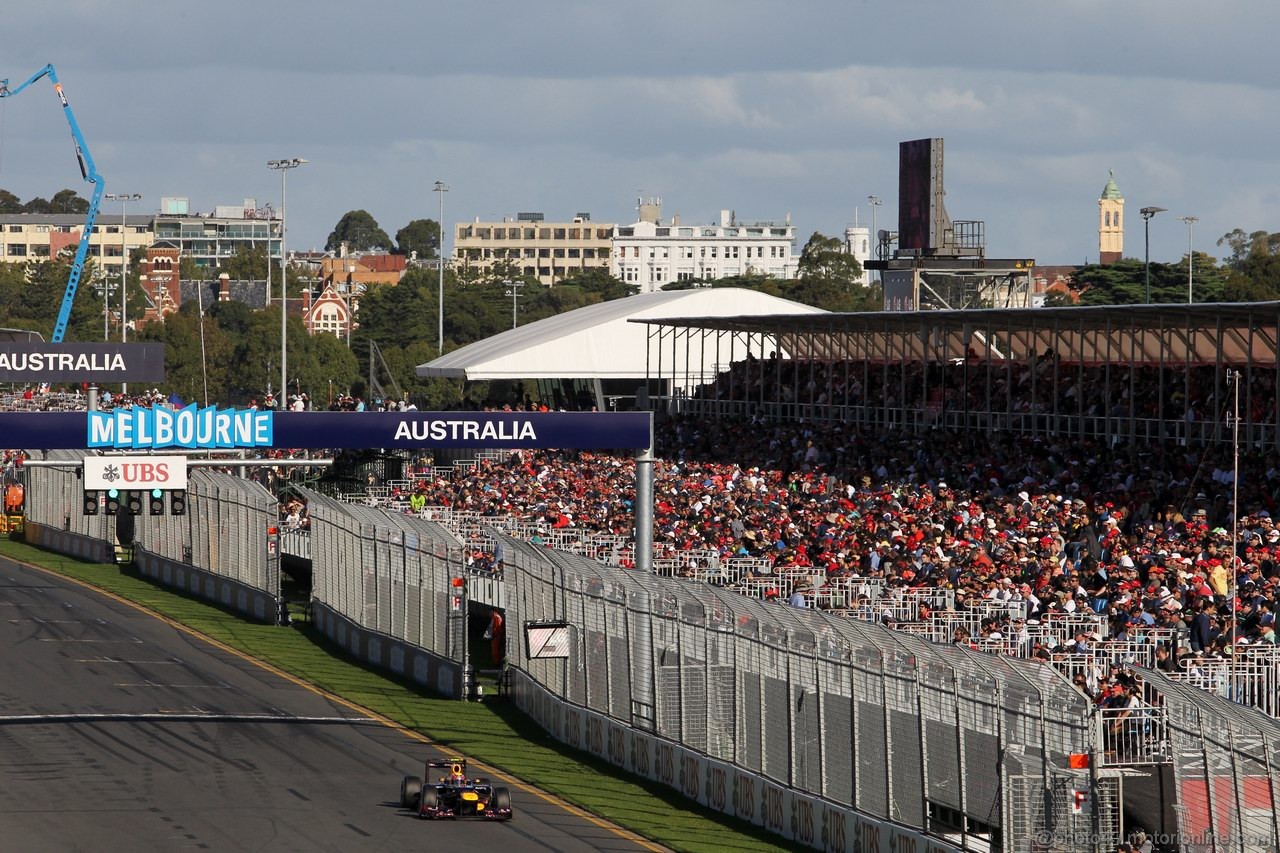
(1110, 223)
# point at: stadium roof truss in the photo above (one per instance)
(1239, 334)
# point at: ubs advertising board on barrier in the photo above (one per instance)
(194, 427)
(35, 362)
(808, 821)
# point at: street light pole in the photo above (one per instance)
(441, 189)
(875, 202)
(514, 293)
(1191, 224)
(1147, 213)
(283, 166)
(124, 199)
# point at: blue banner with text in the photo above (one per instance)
(193, 427)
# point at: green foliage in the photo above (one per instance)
(63, 201)
(1124, 282)
(245, 263)
(67, 201)
(824, 258)
(360, 231)
(31, 296)
(421, 236)
(180, 333)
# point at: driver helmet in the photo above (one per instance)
(456, 776)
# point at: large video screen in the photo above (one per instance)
(916, 193)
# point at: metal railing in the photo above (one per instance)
(881, 721)
(1226, 763)
(387, 572)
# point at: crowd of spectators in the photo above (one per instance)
(1175, 392)
(997, 535)
(1005, 532)
(1055, 527)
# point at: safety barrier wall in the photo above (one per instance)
(251, 602)
(219, 550)
(1226, 768)
(910, 738)
(807, 820)
(390, 574)
(73, 544)
(54, 500)
(225, 531)
(432, 671)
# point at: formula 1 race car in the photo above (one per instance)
(453, 794)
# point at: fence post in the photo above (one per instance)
(1271, 790)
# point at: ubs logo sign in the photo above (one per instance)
(134, 472)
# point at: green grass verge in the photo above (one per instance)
(497, 734)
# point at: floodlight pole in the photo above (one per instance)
(283, 166)
(441, 189)
(1147, 213)
(1233, 377)
(124, 199)
(875, 202)
(1191, 224)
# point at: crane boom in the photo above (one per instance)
(89, 172)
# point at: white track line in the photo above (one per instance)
(176, 716)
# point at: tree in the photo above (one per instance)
(66, 201)
(421, 236)
(360, 231)
(184, 373)
(1253, 266)
(246, 264)
(825, 258)
(9, 203)
(1124, 282)
(38, 205)
(323, 358)
(1257, 244)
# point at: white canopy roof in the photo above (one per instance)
(598, 342)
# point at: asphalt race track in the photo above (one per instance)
(119, 732)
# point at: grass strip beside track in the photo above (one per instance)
(497, 734)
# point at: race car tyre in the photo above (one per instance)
(429, 799)
(501, 798)
(410, 790)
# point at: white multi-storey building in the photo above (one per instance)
(651, 254)
(857, 242)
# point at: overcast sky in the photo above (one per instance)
(766, 108)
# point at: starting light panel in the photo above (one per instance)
(178, 502)
(90, 503)
(134, 502)
(156, 502)
(113, 501)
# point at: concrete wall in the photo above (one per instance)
(807, 821)
(72, 544)
(246, 600)
(435, 672)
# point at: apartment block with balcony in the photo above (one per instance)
(547, 251)
(211, 239)
(651, 254)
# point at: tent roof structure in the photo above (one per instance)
(599, 341)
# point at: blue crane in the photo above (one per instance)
(90, 173)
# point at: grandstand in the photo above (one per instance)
(1053, 485)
